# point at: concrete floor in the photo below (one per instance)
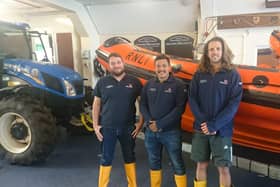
(75, 163)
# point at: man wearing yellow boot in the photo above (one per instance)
(162, 103)
(215, 94)
(114, 119)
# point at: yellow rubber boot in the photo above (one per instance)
(181, 180)
(200, 183)
(155, 177)
(104, 176)
(130, 170)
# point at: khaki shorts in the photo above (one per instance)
(219, 147)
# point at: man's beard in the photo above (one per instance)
(159, 72)
(117, 74)
(216, 62)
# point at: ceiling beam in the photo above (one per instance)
(110, 2)
(28, 3)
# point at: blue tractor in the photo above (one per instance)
(34, 97)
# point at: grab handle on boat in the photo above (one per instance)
(260, 81)
(176, 68)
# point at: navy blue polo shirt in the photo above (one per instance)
(117, 100)
(164, 102)
(214, 99)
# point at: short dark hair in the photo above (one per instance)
(115, 55)
(162, 57)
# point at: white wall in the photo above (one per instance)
(86, 29)
(244, 42)
(82, 19)
(211, 8)
(145, 17)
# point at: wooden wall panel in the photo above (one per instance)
(248, 20)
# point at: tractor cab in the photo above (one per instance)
(16, 42)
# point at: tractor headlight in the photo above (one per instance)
(70, 90)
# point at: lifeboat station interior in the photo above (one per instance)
(55, 61)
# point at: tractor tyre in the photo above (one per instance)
(27, 130)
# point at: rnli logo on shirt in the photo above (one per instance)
(152, 89)
(224, 82)
(240, 83)
(169, 90)
(129, 86)
(110, 86)
(203, 81)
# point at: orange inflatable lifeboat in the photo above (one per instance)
(257, 123)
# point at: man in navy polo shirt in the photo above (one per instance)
(215, 94)
(162, 103)
(114, 118)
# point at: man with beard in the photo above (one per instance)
(114, 119)
(162, 103)
(215, 94)
(275, 45)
